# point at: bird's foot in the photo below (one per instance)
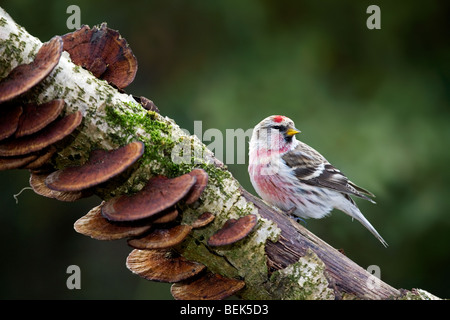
(291, 211)
(299, 220)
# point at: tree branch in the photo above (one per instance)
(280, 259)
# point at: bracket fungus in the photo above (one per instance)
(200, 185)
(166, 216)
(162, 265)
(204, 219)
(161, 238)
(94, 225)
(25, 76)
(159, 194)
(37, 183)
(233, 230)
(43, 157)
(101, 166)
(208, 287)
(9, 120)
(104, 52)
(52, 133)
(16, 162)
(36, 117)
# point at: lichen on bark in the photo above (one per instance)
(303, 280)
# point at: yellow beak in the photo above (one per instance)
(291, 131)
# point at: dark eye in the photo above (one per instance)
(281, 128)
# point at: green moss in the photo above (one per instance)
(158, 145)
(11, 52)
(32, 51)
(130, 117)
(92, 100)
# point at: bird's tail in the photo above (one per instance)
(354, 212)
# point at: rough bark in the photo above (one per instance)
(279, 260)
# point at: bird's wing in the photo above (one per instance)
(312, 168)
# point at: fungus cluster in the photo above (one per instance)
(148, 220)
(25, 76)
(31, 134)
(28, 132)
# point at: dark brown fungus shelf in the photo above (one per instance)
(233, 230)
(159, 194)
(52, 133)
(38, 185)
(199, 186)
(101, 166)
(161, 238)
(36, 117)
(42, 158)
(168, 215)
(9, 120)
(94, 225)
(208, 287)
(162, 265)
(104, 52)
(25, 76)
(204, 219)
(16, 162)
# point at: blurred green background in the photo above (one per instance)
(375, 103)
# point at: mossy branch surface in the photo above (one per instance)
(112, 119)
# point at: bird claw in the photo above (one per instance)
(299, 220)
(290, 212)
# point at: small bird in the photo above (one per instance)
(292, 176)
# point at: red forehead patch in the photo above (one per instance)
(278, 119)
